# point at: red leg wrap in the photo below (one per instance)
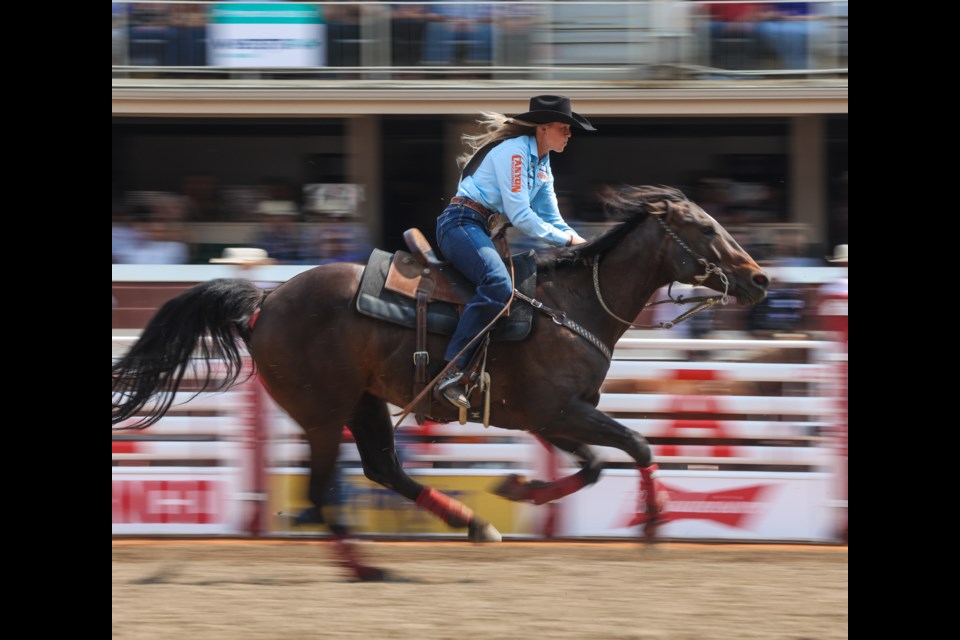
(652, 494)
(654, 501)
(446, 508)
(550, 491)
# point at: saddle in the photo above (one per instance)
(422, 276)
(416, 289)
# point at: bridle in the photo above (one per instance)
(704, 302)
(560, 317)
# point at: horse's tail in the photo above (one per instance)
(209, 320)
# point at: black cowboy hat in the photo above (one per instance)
(547, 109)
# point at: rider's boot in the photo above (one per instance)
(452, 388)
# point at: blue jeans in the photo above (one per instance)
(790, 39)
(442, 40)
(464, 241)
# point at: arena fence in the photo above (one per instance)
(743, 430)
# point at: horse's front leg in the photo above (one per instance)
(373, 432)
(584, 423)
(515, 488)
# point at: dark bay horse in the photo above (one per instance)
(328, 366)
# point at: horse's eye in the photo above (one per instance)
(708, 230)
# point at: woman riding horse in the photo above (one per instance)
(329, 366)
(508, 175)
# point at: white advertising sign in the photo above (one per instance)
(191, 501)
(279, 34)
(746, 505)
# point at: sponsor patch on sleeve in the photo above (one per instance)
(516, 173)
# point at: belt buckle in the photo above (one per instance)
(494, 221)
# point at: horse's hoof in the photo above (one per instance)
(310, 515)
(512, 488)
(483, 532)
(650, 529)
(650, 524)
(367, 574)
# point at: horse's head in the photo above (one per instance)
(699, 249)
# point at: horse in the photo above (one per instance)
(329, 366)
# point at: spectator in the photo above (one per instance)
(340, 241)
(461, 30)
(279, 215)
(129, 233)
(343, 35)
(513, 28)
(158, 234)
(120, 12)
(151, 41)
(189, 34)
(158, 242)
(408, 24)
(781, 311)
(787, 31)
(734, 40)
(790, 250)
(279, 236)
(202, 197)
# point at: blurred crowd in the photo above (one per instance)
(453, 33)
(319, 225)
(747, 35)
(288, 222)
(750, 35)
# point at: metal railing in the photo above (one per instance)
(381, 42)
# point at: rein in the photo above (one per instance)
(704, 302)
(560, 317)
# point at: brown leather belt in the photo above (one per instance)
(476, 206)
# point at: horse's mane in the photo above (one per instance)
(630, 205)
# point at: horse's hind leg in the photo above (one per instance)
(373, 432)
(540, 492)
(327, 504)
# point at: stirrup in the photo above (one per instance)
(451, 390)
(455, 395)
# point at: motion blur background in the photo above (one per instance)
(319, 130)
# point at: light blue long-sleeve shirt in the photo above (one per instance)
(514, 181)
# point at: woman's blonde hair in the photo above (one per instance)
(498, 127)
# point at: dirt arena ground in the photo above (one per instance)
(291, 590)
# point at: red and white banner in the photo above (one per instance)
(148, 503)
(746, 505)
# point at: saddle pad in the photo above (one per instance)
(374, 300)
